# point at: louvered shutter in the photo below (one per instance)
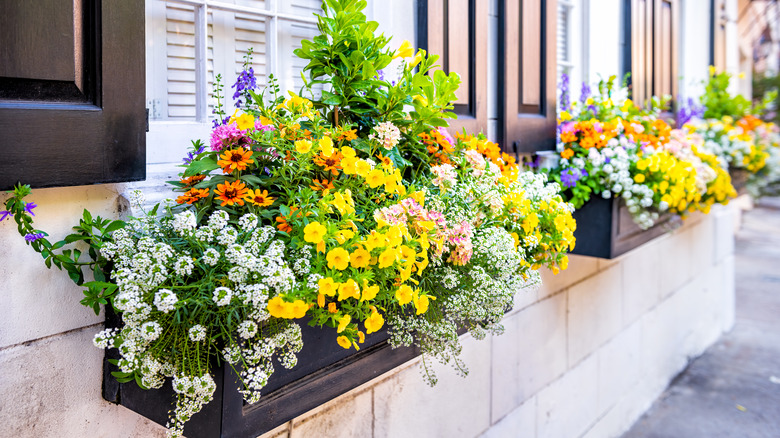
(527, 68)
(654, 34)
(457, 31)
(180, 60)
(563, 41)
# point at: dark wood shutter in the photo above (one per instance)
(72, 92)
(527, 69)
(654, 33)
(456, 30)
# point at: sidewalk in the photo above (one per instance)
(733, 390)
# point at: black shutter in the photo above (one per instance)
(72, 92)
(456, 30)
(527, 69)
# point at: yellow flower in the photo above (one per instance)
(299, 308)
(347, 152)
(302, 146)
(359, 258)
(326, 146)
(405, 50)
(639, 178)
(328, 286)
(362, 168)
(343, 323)
(332, 308)
(338, 258)
(344, 342)
(374, 322)
(369, 292)
(361, 337)
(421, 303)
(321, 300)
(565, 116)
(407, 254)
(418, 196)
(344, 235)
(422, 100)
(417, 58)
(404, 295)
(277, 307)
(374, 240)
(349, 165)
(245, 121)
(350, 289)
(375, 178)
(387, 258)
(314, 232)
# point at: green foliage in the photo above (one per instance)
(92, 232)
(718, 101)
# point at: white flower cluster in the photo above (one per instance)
(154, 268)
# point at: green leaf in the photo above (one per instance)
(204, 165)
(329, 98)
(114, 225)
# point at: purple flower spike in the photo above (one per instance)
(33, 237)
(5, 214)
(191, 155)
(28, 207)
(246, 81)
(585, 92)
(564, 92)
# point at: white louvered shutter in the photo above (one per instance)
(563, 38)
(180, 60)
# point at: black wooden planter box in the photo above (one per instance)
(605, 228)
(324, 371)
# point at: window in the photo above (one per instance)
(719, 20)
(190, 41)
(71, 93)
(654, 34)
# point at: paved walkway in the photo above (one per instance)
(733, 390)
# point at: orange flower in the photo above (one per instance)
(329, 164)
(567, 153)
(192, 180)
(283, 225)
(348, 135)
(231, 193)
(258, 198)
(192, 195)
(235, 159)
(325, 186)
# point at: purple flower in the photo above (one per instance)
(5, 214)
(570, 176)
(688, 112)
(564, 87)
(28, 207)
(607, 160)
(585, 92)
(32, 237)
(191, 155)
(246, 81)
(218, 122)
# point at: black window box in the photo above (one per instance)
(324, 371)
(605, 228)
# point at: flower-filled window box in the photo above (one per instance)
(627, 172)
(302, 230)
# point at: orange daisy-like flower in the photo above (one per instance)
(191, 196)
(258, 198)
(348, 135)
(329, 164)
(231, 193)
(323, 186)
(192, 180)
(235, 159)
(283, 225)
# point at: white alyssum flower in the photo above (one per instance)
(222, 296)
(165, 300)
(197, 333)
(247, 329)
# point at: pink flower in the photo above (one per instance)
(265, 128)
(227, 137)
